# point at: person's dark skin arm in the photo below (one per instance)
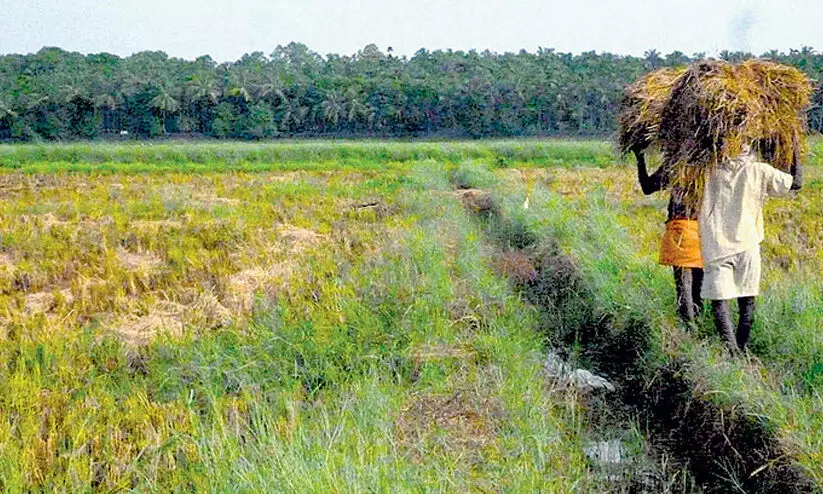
(648, 183)
(797, 172)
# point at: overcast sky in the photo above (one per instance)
(225, 29)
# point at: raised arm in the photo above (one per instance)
(796, 171)
(649, 183)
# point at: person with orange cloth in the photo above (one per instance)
(680, 246)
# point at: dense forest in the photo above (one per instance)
(55, 94)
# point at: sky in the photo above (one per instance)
(228, 29)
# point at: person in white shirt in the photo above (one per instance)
(731, 230)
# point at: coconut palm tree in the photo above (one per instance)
(333, 107)
(292, 112)
(356, 109)
(164, 103)
(202, 88)
(107, 100)
(105, 104)
(7, 114)
(23, 106)
(241, 92)
(132, 84)
(199, 96)
(6, 110)
(241, 85)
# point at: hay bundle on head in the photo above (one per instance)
(778, 129)
(714, 109)
(641, 109)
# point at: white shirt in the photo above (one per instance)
(731, 215)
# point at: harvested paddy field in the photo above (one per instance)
(321, 317)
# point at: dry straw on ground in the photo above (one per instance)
(463, 423)
(299, 239)
(204, 312)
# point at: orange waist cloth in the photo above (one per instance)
(681, 245)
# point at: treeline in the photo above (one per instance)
(55, 94)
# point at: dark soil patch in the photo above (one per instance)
(517, 266)
(477, 201)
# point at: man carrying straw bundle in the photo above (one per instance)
(731, 230)
(709, 121)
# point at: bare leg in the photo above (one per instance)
(744, 325)
(683, 286)
(723, 322)
(697, 284)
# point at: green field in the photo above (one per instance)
(340, 317)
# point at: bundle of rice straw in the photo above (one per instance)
(709, 112)
(642, 107)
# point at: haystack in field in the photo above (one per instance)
(710, 111)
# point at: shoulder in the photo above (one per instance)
(767, 169)
(761, 166)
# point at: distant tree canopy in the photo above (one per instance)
(55, 94)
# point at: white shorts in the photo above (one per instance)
(732, 277)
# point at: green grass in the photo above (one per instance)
(317, 316)
(381, 354)
(612, 232)
(289, 155)
(199, 157)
